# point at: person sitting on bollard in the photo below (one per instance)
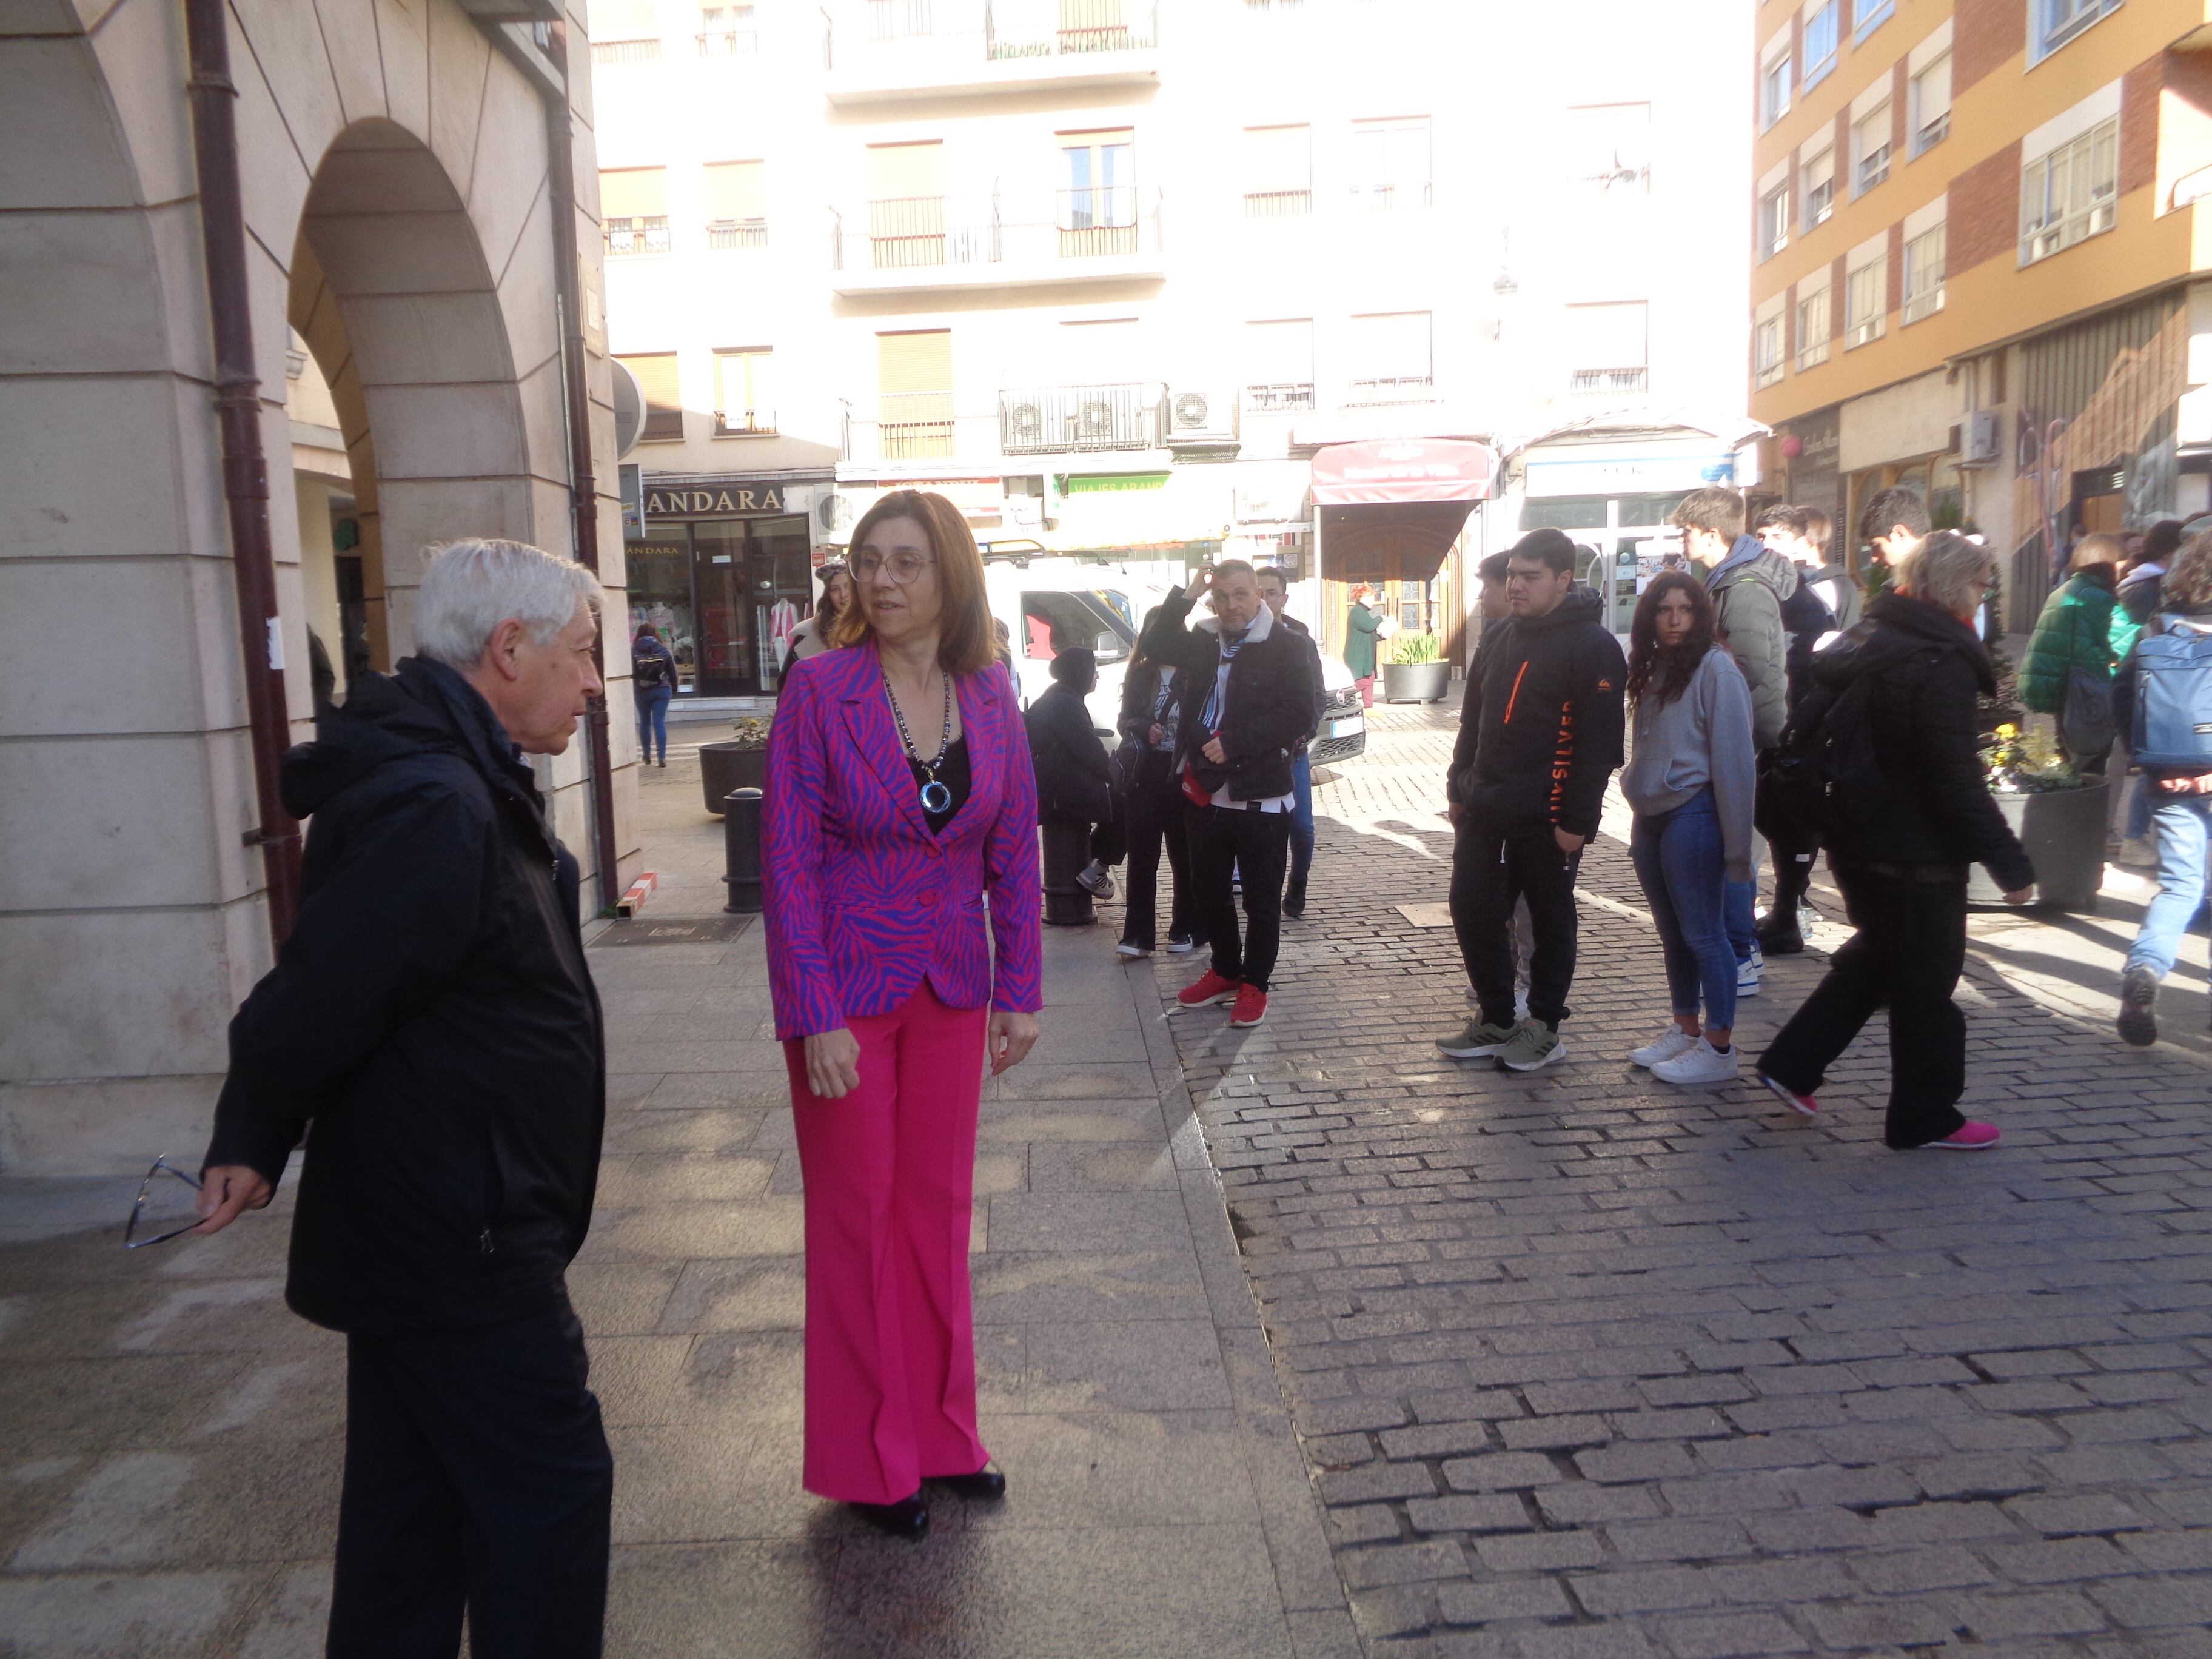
(1074, 778)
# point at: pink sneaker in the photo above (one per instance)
(1803, 1105)
(1970, 1137)
(1208, 989)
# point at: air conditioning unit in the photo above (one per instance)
(1981, 440)
(1025, 424)
(834, 513)
(1202, 419)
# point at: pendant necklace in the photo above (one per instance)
(935, 796)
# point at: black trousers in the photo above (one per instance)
(1908, 953)
(477, 1478)
(1492, 871)
(1226, 842)
(1153, 814)
(1793, 845)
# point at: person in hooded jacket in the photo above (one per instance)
(1749, 583)
(652, 681)
(1074, 779)
(2075, 632)
(1153, 807)
(1905, 681)
(1809, 619)
(432, 1014)
(1826, 574)
(1540, 732)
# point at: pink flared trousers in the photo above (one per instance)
(890, 1173)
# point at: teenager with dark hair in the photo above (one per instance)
(1689, 782)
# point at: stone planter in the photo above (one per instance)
(1416, 682)
(727, 765)
(2064, 835)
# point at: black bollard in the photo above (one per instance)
(741, 849)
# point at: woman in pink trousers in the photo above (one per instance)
(900, 794)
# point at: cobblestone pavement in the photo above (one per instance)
(1585, 1365)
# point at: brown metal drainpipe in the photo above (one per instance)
(583, 488)
(245, 472)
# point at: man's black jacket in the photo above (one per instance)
(1540, 729)
(1926, 666)
(1805, 617)
(1273, 701)
(432, 1013)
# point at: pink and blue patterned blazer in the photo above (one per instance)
(862, 900)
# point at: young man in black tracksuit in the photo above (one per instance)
(1539, 733)
(1247, 694)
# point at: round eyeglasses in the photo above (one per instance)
(903, 566)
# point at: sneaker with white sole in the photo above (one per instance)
(1093, 880)
(1476, 1042)
(1803, 1105)
(1747, 976)
(1969, 1137)
(1700, 1063)
(1127, 948)
(1669, 1043)
(1181, 944)
(1535, 1044)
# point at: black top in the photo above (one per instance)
(953, 772)
(432, 1014)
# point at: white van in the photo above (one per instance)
(1051, 605)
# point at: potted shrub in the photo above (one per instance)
(2058, 814)
(738, 762)
(1417, 671)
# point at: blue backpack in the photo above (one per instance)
(2174, 699)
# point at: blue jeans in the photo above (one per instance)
(2184, 825)
(1741, 918)
(1682, 865)
(1301, 829)
(653, 722)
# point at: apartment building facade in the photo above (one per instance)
(1112, 273)
(1976, 259)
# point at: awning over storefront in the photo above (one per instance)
(1400, 471)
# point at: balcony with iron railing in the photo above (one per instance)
(1279, 398)
(1374, 391)
(1278, 203)
(919, 243)
(889, 51)
(630, 237)
(1082, 419)
(737, 233)
(744, 423)
(1609, 382)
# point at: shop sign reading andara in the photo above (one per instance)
(709, 500)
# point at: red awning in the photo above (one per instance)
(1401, 470)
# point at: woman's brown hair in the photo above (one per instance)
(1676, 666)
(2188, 586)
(964, 642)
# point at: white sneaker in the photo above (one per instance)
(1747, 976)
(1125, 949)
(1700, 1063)
(1665, 1046)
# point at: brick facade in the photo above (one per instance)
(1837, 280)
(2139, 105)
(1984, 210)
(1893, 299)
(1985, 34)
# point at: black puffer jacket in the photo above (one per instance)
(432, 1014)
(1927, 667)
(1540, 729)
(1273, 705)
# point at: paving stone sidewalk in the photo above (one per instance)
(168, 1481)
(1586, 1365)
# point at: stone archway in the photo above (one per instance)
(392, 291)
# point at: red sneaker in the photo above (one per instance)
(1803, 1105)
(1251, 1005)
(1970, 1137)
(1209, 989)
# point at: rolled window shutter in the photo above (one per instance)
(737, 190)
(910, 362)
(902, 171)
(633, 193)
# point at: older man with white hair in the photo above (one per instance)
(431, 1030)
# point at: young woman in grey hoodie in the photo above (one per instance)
(1690, 779)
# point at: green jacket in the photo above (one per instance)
(2073, 631)
(1359, 642)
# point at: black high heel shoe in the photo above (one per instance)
(987, 1483)
(908, 1518)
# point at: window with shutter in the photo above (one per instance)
(663, 397)
(1812, 329)
(737, 205)
(1608, 347)
(1819, 180)
(1871, 149)
(906, 203)
(1866, 292)
(742, 405)
(633, 210)
(1097, 205)
(913, 384)
(1389, 354)
(1278, 364)
(1931, 104)
(1278, 172)
(1390, 165)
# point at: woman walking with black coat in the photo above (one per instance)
(1901, 835)
(1074, 779)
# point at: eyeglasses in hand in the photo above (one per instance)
(158, 1193)
(904, 565)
